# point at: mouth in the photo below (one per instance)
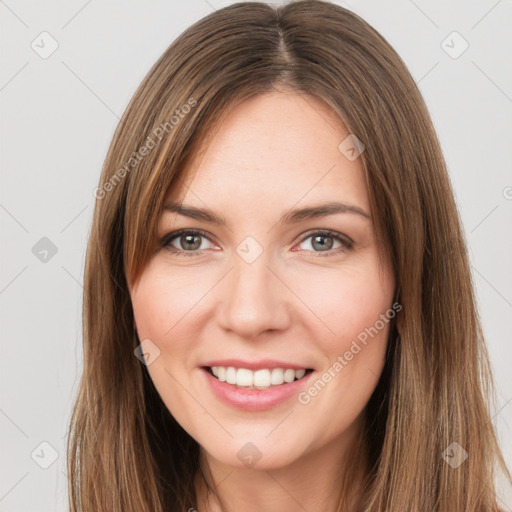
(261, 379)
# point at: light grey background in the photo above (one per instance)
(58, 115)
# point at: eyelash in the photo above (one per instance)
(346, 242)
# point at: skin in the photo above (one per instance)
(295, 302)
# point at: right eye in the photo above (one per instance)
(188, 241)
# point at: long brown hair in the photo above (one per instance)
(125, 450)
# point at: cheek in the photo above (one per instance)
(164, 310)
(348, 302)
(358, 308)
(163, 305)
(354, 304)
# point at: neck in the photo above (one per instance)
(311, 483)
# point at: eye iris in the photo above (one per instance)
(191, 241)
(323, 246)
(188, 239)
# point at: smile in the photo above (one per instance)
(259, 379)
(254, 390)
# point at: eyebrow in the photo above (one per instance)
(289, 217)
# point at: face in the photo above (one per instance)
(269, 327)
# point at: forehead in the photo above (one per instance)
(274, 150)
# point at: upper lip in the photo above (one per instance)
(255, 365)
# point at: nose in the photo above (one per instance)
(253, 299)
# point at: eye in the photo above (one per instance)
(188, 242)
(185, 241)
(324, 241)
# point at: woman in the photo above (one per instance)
(278, 307)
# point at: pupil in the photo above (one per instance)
(322, 246)
(188, 239)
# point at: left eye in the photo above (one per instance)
(323, 241)
(189, 242)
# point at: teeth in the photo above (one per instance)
(277, 376)
(289, 375)
(300, 373)
(259, 379)
(244, 377)
(231, 375)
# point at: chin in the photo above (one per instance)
(258, 453)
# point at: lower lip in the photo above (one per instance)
(254, 399)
